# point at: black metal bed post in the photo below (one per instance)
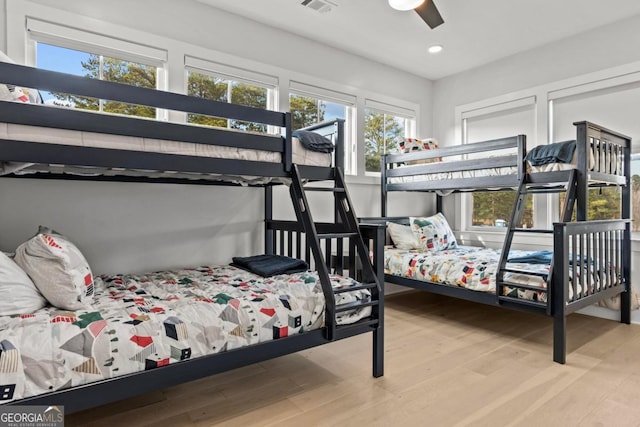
(378, 333)
(268, 216)
(582, 146)
(339, 144)
(625, 297)
(383, 185)
(288, 145)
(559, 294)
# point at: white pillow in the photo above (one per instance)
(19, 294)
(402, 236)
(9, 92)
(433, 232)
(58, 269)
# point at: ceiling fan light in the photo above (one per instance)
(405, 4)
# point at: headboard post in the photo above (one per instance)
(383, 186)
(288, 145)
(339, 144)
(268, 216)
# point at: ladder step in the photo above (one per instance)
(355, 288)
(540, 190)
(525, 287)
(332, 189)
(532, 230)
(354, 305)
(337, 235)
(343, 330)
(544, 274)
(522, 301)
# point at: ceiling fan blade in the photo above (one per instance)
(429, 14)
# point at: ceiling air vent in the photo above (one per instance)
(321, 6)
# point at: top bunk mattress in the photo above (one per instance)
(595, 162)
(10, 131)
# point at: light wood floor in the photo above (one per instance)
(448, 363)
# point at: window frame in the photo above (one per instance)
(236, 75)
(350, 126)
(466, 200)
(72, 38)
(410, 127)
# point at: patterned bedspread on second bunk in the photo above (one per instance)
(469, 267)
(140, 322)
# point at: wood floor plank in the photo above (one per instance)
(447, 363)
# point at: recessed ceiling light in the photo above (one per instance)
(436, 48)
(405, 4)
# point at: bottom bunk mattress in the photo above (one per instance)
(469, 267)
(145, 321)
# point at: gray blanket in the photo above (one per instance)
(314, 141)
(559, 152)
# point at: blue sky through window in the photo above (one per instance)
(60, 59)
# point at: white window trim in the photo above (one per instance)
(88, 41)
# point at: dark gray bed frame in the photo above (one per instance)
(608, 242)
(281, 237)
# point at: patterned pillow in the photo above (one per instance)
(58, 269)
(402, 236)
(433, 232)
(410, 145)
(14, 93)
(20, 295)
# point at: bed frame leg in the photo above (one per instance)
(378, 352)
(560, 339)
(625, 307)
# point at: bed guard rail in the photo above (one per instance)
(289, 239)
(591, 261)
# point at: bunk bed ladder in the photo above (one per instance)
(526, 188)
(345, 226)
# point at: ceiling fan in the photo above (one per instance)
(425, 8)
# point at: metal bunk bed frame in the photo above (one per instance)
(307, 234)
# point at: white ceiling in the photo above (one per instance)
(475, 32)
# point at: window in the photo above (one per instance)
(84, 53)
(493, 208)
(310, 105)
(96, 66)
(223, 89)
(381, 129)
(616, 108)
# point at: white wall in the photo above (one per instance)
(137, 227)
(3, 31)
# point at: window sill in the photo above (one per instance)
(362, 179)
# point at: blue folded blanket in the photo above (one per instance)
(270, 265)
(539, 257)
(559, 152)
(314, 141)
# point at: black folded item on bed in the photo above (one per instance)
(314, 141)
(270, 265)
(538, 257)
(559, 152)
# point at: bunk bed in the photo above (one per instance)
(300, 310)
(590, 260)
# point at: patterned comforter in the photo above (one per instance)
(465, 266)
(140, 322)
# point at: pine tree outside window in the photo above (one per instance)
(96, 66)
